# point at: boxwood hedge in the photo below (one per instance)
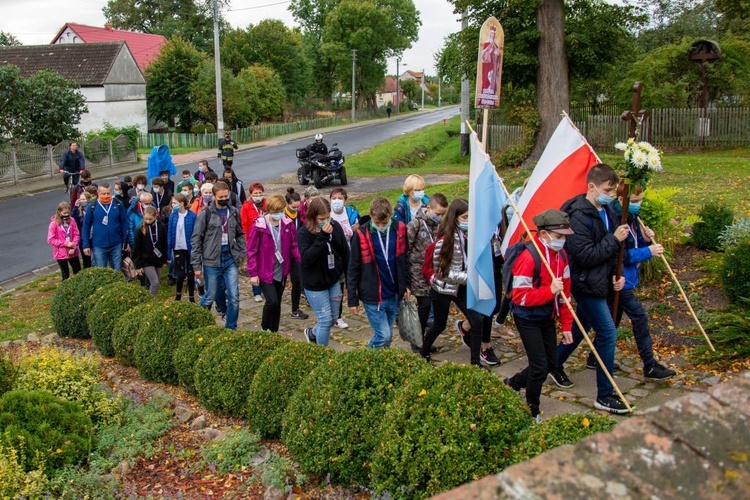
(190, 347)
(275, 381)
(68, 307)
(159, 335)
(448, 426)
(126, 330)
(107, 305)
(332, 420)
(225, 369)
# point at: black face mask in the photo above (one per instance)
(221, 203)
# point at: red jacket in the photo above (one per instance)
(249, 214)
(532, 303)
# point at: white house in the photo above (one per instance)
(107, 73)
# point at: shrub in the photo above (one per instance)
(78, 482)
(126, 330)
(68, 307)
(734, 234)
(226, 368)
(52, 432)
(159, 335)
(190, 347)
(202, 128)
(71, 378)
(332, 419)
(714, 218)
(7, 374)
(447, 427)
(286, 367)
(15, 482)
(735, 271)
(106, 306)
(557, 431)
(233, 453)
(729, 335)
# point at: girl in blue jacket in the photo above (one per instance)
(181, 224)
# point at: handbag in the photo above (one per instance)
(128, 268)
(409, 327)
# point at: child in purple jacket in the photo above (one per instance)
(271, 247)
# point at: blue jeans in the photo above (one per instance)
(112, 256)
(594, 313)
(325, 305)
(381, 317)
(231, 286)
(630, 305)
(257, 290)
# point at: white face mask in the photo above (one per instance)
(187, 194)
(140, 187)
(258, 199)
(277, 215)
(337, 205)
(417, 195)
(156, 190)
(555, 244)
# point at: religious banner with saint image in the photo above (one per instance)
(490, 64)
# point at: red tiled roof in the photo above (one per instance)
(144, 47)
(390, 85)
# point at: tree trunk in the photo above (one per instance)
(552, 78)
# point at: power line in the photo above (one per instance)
(258, 6)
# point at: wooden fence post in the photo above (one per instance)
(111, 155)
(14, 164)
(52, 164)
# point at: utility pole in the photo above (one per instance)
(354, 80)
(440, 95)
(398, 100)
(464, 98)
(217, 68)
(422, 88)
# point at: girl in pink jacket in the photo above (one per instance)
(63, 236)
(271, 248)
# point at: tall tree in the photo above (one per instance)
(192, 20)
(168, 80)
(8, 40)
(270, 43)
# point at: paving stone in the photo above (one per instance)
(638, 393)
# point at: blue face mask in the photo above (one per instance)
(464, 226)
(381, 230)
(604, 199)
(634, 208)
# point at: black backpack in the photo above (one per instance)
(512, 253)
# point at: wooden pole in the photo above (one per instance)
(485, 118)
(621, 252)
(682, 292)
(562, 294)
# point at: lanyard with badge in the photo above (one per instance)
(154, 235)
(331, 256)
(463, 249)
(276, 235)
(385, 250)
(497, 244)
(105, 219)
(224, 229)
(66, 229)
(429, 233)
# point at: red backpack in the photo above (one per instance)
(428, 271)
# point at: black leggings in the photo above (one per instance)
(75, 264)
(296, 285)
(272, 308)
(540, 342)
(441, 305)
(184, 270)
(424, 304)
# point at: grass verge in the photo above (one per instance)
(26, 309)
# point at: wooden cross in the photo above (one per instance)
(635, 115)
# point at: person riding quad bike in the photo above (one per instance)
(318, 146)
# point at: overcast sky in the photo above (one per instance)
(37, 21)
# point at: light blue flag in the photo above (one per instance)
(486, 200)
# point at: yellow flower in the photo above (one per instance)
(423, 392)
(586, 422)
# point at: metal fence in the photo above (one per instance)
(243, 136)
(664, 128)
(20, 162)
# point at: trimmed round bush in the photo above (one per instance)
(106, 306)
(190, 347)
(7, 372)
(735, 272)
(51, 432)
(331, 423)
(125, 331)
(714, 218)
(225, 369)
(160, 334)
(69, 377)
(68, 307)
(285, 368)
(557, 431)
(447, 427)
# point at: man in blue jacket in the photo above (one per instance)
(105, 229)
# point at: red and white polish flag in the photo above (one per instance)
(559, 175)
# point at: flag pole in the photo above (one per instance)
(485, 117)
(682, 291)
(562, 294)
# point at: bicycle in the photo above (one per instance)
(68, 180)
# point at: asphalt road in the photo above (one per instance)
(23, 229)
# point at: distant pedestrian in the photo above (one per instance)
(81, 186)
(63, 237)
(72, 164)
(203, 169)
(150, 248)
(227, 146)
(389, 110)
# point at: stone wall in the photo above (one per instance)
(696, 446)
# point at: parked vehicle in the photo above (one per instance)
(321, 169)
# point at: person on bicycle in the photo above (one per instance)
(72, 164)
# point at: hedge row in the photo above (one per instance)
(382, 419)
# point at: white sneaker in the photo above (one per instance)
(341, 323)
(258, 298)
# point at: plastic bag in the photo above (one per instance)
(409, 328)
